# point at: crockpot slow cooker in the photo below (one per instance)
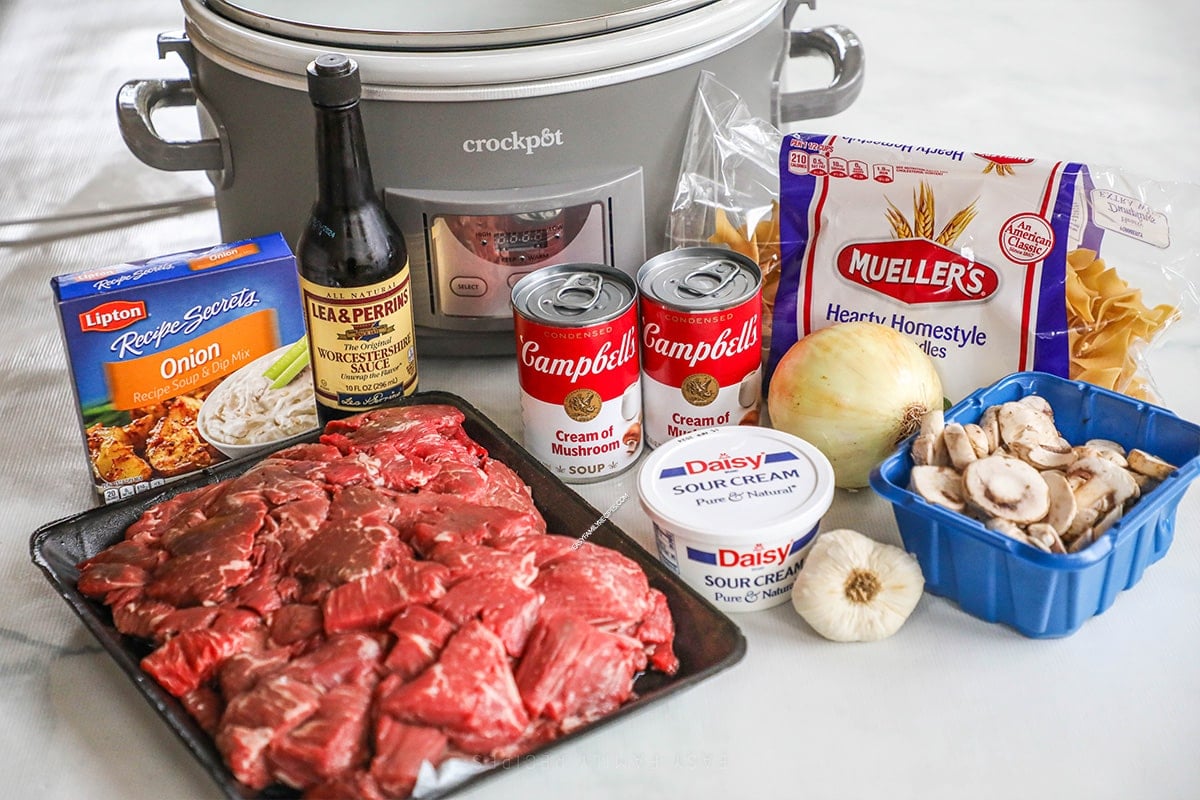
(504, 136)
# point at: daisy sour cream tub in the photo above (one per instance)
(735, 509)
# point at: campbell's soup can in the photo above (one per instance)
(577, 362)
(701, 310)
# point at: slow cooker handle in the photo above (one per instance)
(136, 103)
(844, 49)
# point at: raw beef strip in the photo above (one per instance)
(273, 482)
(281, 701)
(296, 622)
(191, 658)
(501, 602)
(573, 673)
(405, 445)
(267, 589)
(331, 741)
(242, 670)
(253, 720)
(349, 658)
(299, 519)
(601, 585)
(465, 480)
(98, 578)
(469, 693)
(206, 706)
(371, 601)
(127, 553)
(466, 560)
(448, 519)
(207, 559)
(134, 615)
(657, 632)
(356, 539)
(185, 619)
(182, 510)
(420, 633)
(303, 459)
(362, 431)
(400, 749)
(506, 489)
(545, 548)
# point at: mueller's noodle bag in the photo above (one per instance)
(157, 347)
(992, 264)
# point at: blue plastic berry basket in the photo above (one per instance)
(999, 579)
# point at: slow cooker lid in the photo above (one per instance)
(446, 24)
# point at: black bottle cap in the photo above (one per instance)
(333, 81)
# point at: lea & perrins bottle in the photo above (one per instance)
(353, 263)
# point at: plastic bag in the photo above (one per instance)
(992, 264)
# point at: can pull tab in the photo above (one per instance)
(578, 293)
(709, 278)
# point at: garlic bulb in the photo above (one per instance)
(854, 589)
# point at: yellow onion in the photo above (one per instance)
(854, 390)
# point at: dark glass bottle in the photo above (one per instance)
(353, 262)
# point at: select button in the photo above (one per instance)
(468, 286)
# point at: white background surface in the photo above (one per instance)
(950, 707)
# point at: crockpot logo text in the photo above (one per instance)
(515, 141)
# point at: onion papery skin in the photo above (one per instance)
(854, 390)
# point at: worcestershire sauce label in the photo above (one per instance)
(363, 354)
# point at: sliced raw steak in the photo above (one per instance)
(400, 749)
(420, 633)
(469, 693)
(573, 673)
(372, 601)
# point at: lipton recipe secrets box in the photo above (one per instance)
(170, 358)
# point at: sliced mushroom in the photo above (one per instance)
(990, 426)
(1105, 485)
(1040, 403)
(1085, 518)
(1107, 521)
(979, 439)
(1023, 421)
(958, 445)
(1002, 486)
(1105, 444)
(1107, 453)
(1043, 534)
(1039, 544)
(1042, 455)
(932, 422)
(930, 449)
(1082, 540)
(1149, 465)
(1062, 501)
(1006, 526)
(939, 485)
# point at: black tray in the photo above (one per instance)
(706, 640)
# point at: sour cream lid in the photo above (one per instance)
(734, 484)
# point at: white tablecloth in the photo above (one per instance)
(950, 707)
